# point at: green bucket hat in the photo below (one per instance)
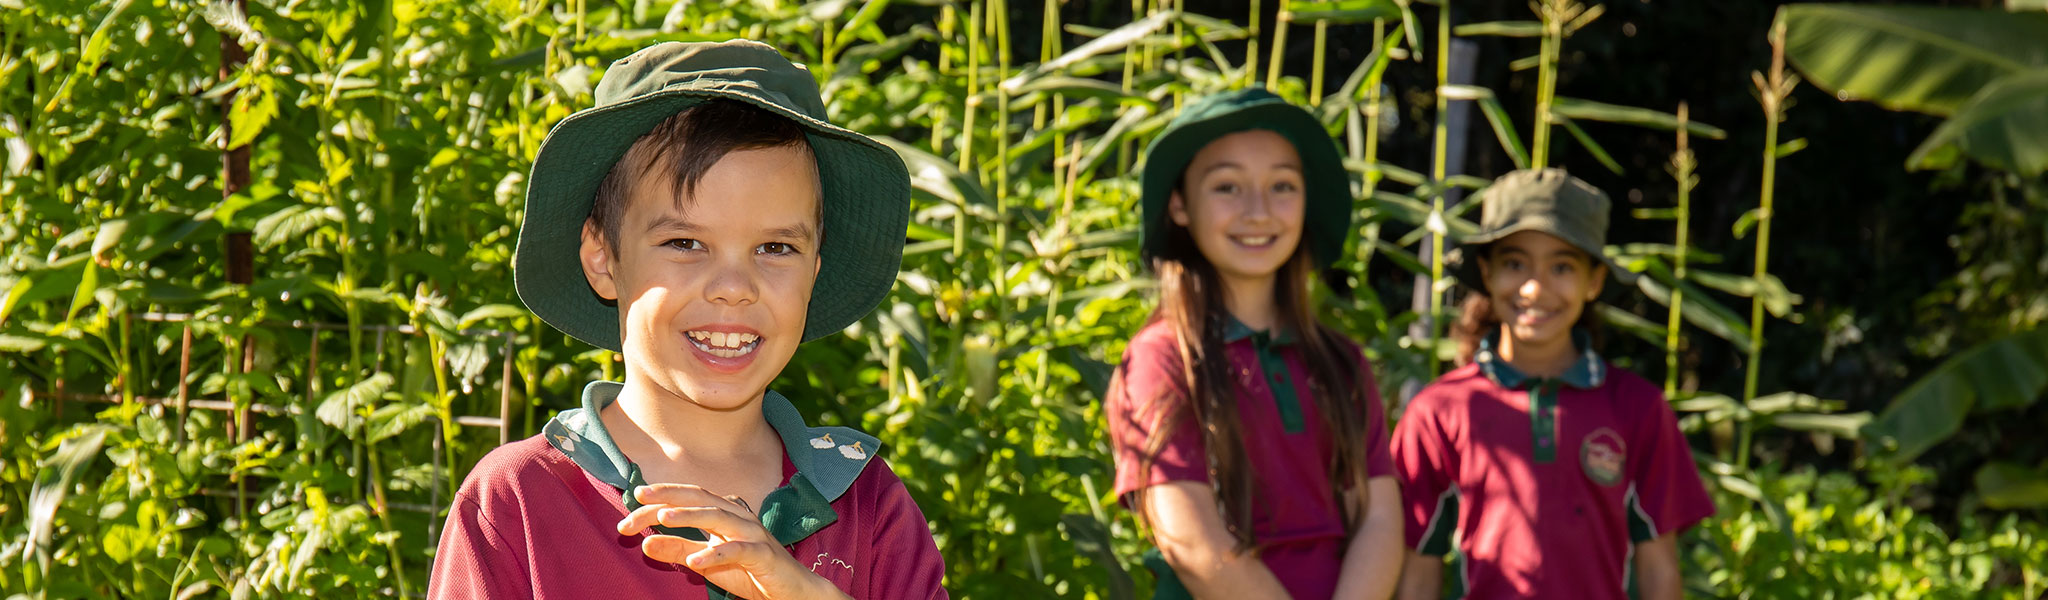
(1547, 200)
(1328, 218)
(865, 186)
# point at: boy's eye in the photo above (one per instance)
(684, 244)
(776, 249)
(1224, 188)
(1512, 264)
(1286, 186)
(1564, 268)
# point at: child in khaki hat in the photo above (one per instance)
(688, 221)
(1557, 475)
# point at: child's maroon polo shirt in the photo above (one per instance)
(538, 518)
(1544, 485)
(1296, 520)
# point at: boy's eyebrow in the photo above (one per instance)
(802, 231)
(671, 222)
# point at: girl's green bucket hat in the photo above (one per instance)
(1547, 200)
(866, 187)
(1328, 218)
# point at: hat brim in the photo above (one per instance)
(1328, 187)
(865, 191)
(1463, 263)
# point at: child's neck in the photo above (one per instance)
(674, 440)
(1544, 358)
(1251, 303)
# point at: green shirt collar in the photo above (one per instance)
(1234, 330)
(1585, 373)
(827, 460)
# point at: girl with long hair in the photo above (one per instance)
(1249, 436)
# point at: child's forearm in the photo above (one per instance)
(1422, 577)
(1372, 561)
(1656, 567)
(1224, 575)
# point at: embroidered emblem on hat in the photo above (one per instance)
(1604, 456)
(822, 442)
(853, 451)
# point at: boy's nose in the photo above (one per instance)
(1531, 287)
(733, 285)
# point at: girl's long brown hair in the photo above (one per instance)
(1191, 302)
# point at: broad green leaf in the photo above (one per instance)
(1342, 11)
(938, 176)
(1631, 323)
(2005, 373)
(1919, 58)
(1699, 309)
(2008, 486)
(2001, 126)
(253, 109)
(122, 542)
(1588, 110)
(392, 419)
(343, 408)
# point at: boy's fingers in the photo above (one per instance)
(748, 556)
(721, 524)
(681, 494)
(669, 548)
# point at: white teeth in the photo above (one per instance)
(723, 344)
(1255, 241)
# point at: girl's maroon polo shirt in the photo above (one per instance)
(1296, 520)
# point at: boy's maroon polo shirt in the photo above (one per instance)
(1544, 485)
(538, 518)
(1296, 519)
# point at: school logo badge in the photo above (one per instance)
(1604, 456)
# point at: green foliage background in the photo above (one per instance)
(388, 143)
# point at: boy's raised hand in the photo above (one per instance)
(740, 556)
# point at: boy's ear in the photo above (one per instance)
(1177, 208)
(596, 258)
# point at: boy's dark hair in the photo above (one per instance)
(685, 146)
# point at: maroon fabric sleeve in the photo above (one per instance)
(901, 536)
(1145, 391)
(475, 558)
(1668, 491)
(1426, 465)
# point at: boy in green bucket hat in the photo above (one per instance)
(688, 221)
(1248, 435)
(1551, 472)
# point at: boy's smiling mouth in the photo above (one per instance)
(724, 348)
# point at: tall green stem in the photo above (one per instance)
(1773, 99)
(1438, 172)
(1682, 168)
